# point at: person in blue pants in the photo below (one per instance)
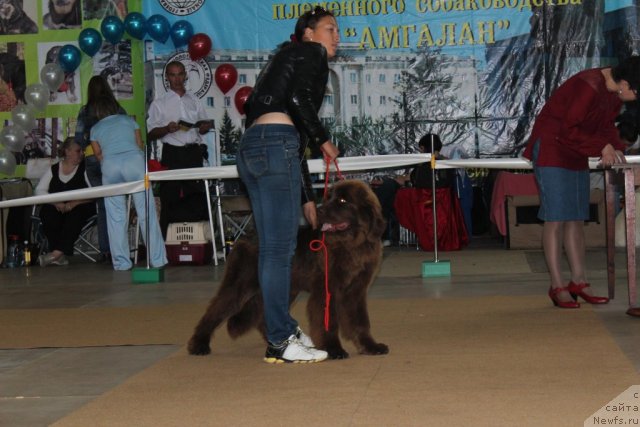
(117, 142)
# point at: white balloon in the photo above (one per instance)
(7, 162)
(12, 137)
(52, 75)
(24, 116)
(37, 95)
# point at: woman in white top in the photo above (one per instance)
(63, 221)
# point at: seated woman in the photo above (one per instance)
(414, 206)
(421, 176)
(63, 221)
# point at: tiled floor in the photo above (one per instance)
(39, 386)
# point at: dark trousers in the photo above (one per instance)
(94, 173)
(181, 201)
(63, 229)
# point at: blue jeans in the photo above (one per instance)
(94, 173)
(269, 165)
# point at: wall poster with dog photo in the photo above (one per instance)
(43, 140)
(60, 14)
(12, 75)
(113, 62)
(18, 17)
(69, 91)
(99, 9)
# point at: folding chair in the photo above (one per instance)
(85, 244)
(237, 216)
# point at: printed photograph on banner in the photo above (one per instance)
(42, 141)
(113, 62)
(12, 75)
(69, 91)
(61, 14)
(99, 9)
(18, 17)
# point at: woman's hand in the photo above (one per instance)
(330, 151)
(611, 156)
(310, 213)
(60, 207)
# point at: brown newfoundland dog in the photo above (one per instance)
(353, 225)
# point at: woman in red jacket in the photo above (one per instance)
(577, 122)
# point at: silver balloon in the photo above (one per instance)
(52, 75)
(24, 116)
(12, 137)
(37, 95)
(7, 162)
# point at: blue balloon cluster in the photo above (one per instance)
(137, 26)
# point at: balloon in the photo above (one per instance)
(69, 58)
(158, 28)
(90, 41)
(181, 32)
(112, 29)
(199, 46)
(12, 137)
(7, 162)
(136, 25)
(52, 75)
(226, 76)
(241, 97)
(24, 117)
(37, 95)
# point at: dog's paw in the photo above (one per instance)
(335, 354)
(375, 349)
(198, 348)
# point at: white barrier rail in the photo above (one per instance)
(346, 164)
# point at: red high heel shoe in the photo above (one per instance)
(576, 290)
(553, 294)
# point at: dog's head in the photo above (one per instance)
(9, 9)
(350, 211)
(61, 7)
(52, 55)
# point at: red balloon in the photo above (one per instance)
(226, 77)
(199, 46)
(241, 97)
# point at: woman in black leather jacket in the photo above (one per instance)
(282, 110)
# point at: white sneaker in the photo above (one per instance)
(62, 260)
(304, 339)
(292, 350)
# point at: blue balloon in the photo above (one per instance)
(90, 41)
(136, 25)
(69, 58)
(158, 28)
(181, 32)
(112, 29)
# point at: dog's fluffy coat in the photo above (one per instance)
(353, 225)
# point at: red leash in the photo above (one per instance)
(316, 245)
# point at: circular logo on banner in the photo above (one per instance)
(181, 7)
(199, 76)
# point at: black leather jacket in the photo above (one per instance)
(293, 82)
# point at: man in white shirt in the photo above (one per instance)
(178, 118)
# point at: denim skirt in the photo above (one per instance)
(564, 193)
